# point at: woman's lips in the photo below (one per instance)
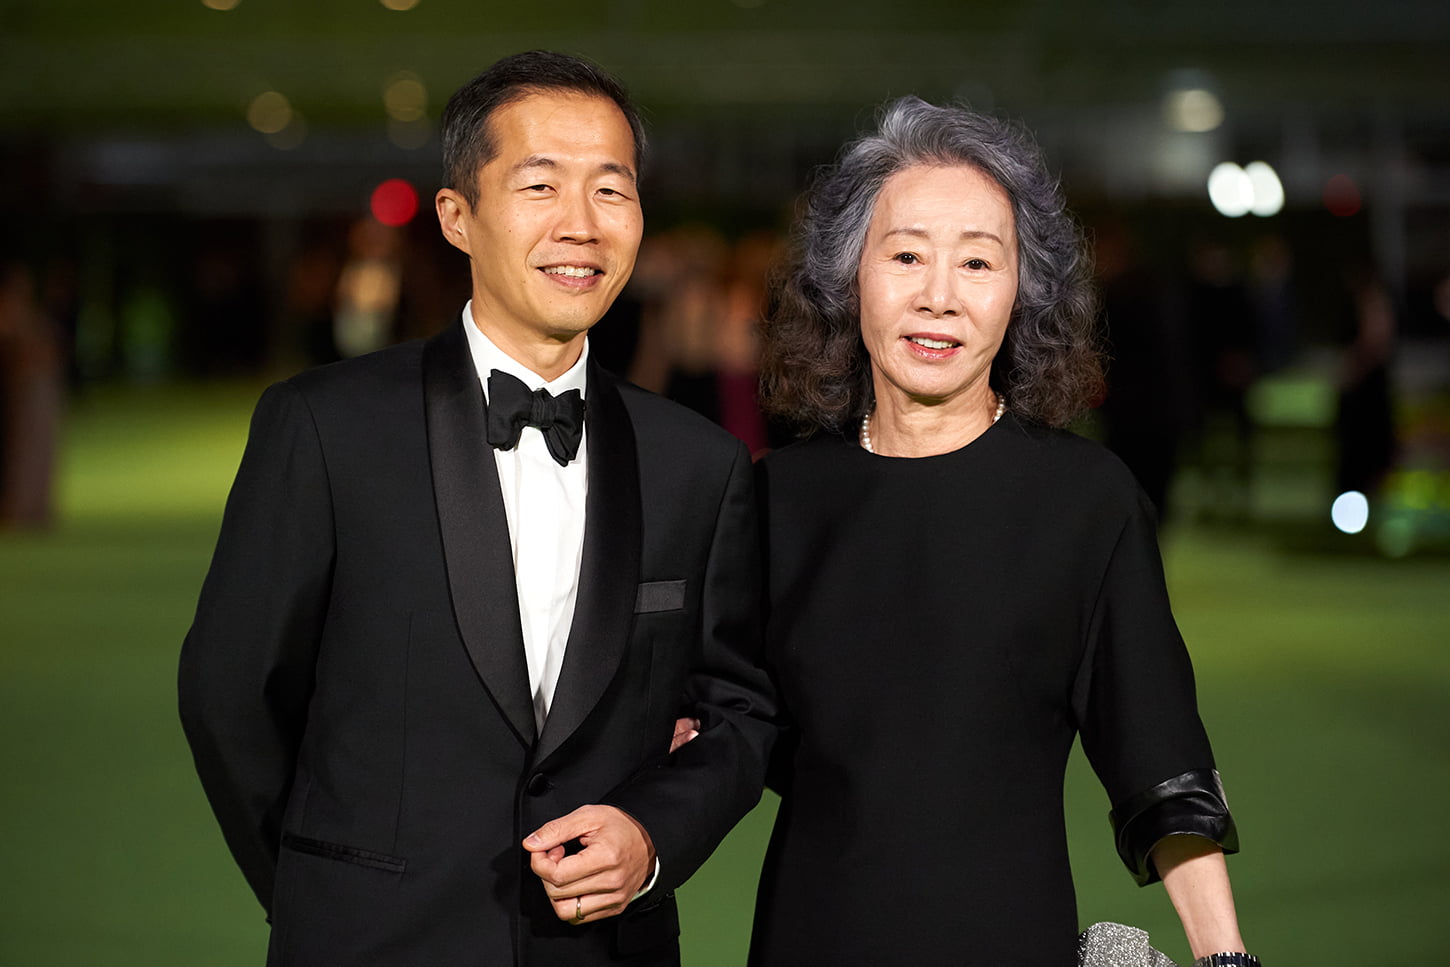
(932, 345)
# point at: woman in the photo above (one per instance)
(956, 586)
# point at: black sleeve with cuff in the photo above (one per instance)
(1191, 804)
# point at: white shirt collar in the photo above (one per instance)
(487, 357)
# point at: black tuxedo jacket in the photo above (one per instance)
(354, 686)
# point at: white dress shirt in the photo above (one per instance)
(545, 506)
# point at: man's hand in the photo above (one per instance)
(617, 859)
(685, 730)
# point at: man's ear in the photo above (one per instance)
(453, 211)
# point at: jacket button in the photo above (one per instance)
(539, 784)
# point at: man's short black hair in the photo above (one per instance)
(468, 141)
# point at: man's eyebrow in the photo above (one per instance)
(615, 168)
(536, 161)
(544, 161)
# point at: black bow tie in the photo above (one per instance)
(511, 407)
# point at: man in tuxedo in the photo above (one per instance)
(465, 586)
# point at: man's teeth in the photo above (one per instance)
(575, 271)
(931, 343)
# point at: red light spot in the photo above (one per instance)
(1341, 196)
(394, 202)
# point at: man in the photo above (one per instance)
(432, 682)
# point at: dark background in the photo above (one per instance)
(163, 259)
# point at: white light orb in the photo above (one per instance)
(1350, 512)
(1268, 189)
(1230, 190)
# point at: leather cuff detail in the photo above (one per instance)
(1192, 804)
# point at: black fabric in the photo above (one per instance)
(512, 406)
(939, 630)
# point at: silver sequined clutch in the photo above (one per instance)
(1118, 945)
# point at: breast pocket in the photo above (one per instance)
(654, 596)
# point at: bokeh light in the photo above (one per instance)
(1268, 190)
(405, 97)
(399, 4)
(1237, 191)
(394, 202)
(269, 112)
(1341, 196)
(1350, 512)
(1194, 110)
(1230, 190)
(220, 4)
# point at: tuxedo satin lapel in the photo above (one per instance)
(609, 572)
(475, 527)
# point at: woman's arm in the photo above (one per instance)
(1196, 877)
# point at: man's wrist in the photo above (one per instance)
(650, 885)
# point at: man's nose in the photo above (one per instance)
(577, 220)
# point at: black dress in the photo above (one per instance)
(939, 630)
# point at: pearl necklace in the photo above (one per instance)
(866, 421)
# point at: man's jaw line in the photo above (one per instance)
(546, 354)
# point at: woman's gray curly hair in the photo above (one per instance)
(815, 370)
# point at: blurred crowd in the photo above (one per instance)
(1189, 341)
(1191, 328)
(34, 349)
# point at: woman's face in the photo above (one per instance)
(938, 279)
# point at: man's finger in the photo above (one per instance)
(577, 910)
(564, 871)
(573, 869)
(603, 883)
(557, 832)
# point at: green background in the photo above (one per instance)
(1324, 681)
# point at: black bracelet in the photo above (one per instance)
(1228, 960)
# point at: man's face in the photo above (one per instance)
(554, 235)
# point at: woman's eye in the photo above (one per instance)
(976, 264)
(906, 258)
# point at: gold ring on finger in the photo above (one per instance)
(578, 909)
